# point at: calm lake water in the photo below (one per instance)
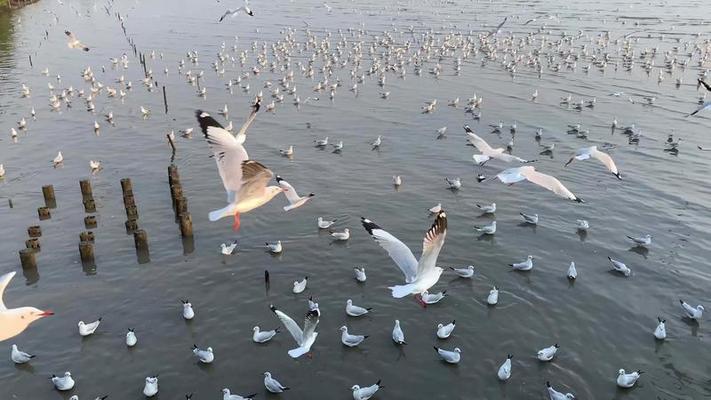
(603, 322)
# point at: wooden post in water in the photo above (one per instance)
(33, 244)
(86, 191)
(173, 176)
(186, 225)
(86, 252)
(140, 239)
(90, 222)
(87, 236)
(30, 56)
(28, 259)
(89, 205)
(44, 213)
(34, 231)
(126, 186)
(49, 200)
(165, 100)
(170, 141)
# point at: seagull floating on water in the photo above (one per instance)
(556, 395)
(205, 356)
(547, 353)
(466, 272)
(227, 395)
(188, 312)
(228, 249)
(150, 389)
(660, 332)
(356, 311)
(643, 241)
(351, 340)
(300, 286)
(259, 336)
(324, 224)
(572, 273)
(360, 274)
(445, 331)
(272, 384)
(131, 338)
(493, 297)
(274, 248)
(18, 356)
(620, 267)
(691, 312)
(63, 383)
(449, 356)
(88, 329)
(525, 265)
(397, 334)
(504, 372)
(625, 380)
(365, 393)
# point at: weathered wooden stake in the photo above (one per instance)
(28, 259)
(129, 201)
(165, 100)
(33, 244)
(30, 56)
(131, 225)
(49, 200)
(34, 231)
(132, 213)
(90, 222)
(186, 225)
(181, 206)
(89, 205)
(176, 192)
(127, 187)
(170, 141)
(86, 236)
(140, 238)
(86, 252)
(44, 213)
(86, 191)
(173, 175)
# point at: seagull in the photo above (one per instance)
(94, 165)
(547, 353)
(489, 229)
(338, 147)
(498, 28)
(625, 380)
(487, 152)
(295, 201)
(513, 175)
(704, 106)
(300, 286)
(150, 389)
(263, 336)
(419, 275)
(660, 332)
(227, 395)
(643, 241)
(356, 311)
(321, 142)
(367, 392)
(204, 356)
(530, 218)
(58, 159)
(582, 224)
(228, 249)
(454, 183)
(145, 112)
(360, 274)
(131, 339)
(445, 331)
(272, 384)
(19, 357)
(64, 383)
(572, 272)
(232, 13)
(487, 208)
(244, 180)
(287, 152)
(2, 171)
(351, 340)
(504, 372)
(188, 312)
(691, 312)
(74, 43)
(304, 338)
(274, 248)
(466, 272)
(526, 265)
(620, 267)
(345, 235)
(449, 356)
(436, 209)
(324, 224)
(397, 180)
(493, 296)
(556, 395)
(441, 132)
(706, 85)
(428, 298)
(377, 142)
(90, 328)
(592, 151)
(398, 336)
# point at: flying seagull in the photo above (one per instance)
(232, 13)
(487, 152)
(304, 338)
(74, 43)
(592, 151)
(498, 28)
(528, 173)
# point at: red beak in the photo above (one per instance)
(47, 313)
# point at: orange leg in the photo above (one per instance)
(235, 226)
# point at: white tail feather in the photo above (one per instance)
(222, 212)
(298, 352)
(401, 291)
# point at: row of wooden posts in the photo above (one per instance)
(87, 238)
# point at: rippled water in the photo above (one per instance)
(603, 322)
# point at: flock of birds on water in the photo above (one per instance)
(366, 56)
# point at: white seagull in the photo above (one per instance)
(188, 312)
(232, 13)
(14, 321)
(345, 235)
(365, 393)
(205, 356)
(295, 201)
(547, 353)
(90, 328)
(625, 380)
(419, 275)
(454, 183)
(274, 248)
(228, 249)
(245, 180)
(227, 395)
(466, 272)
(525, 265)
(434, 298)
(620, 267)
(259, 336)
(493, 297)
(150, 389)
(592, 151)
(351, 340)
(304, 338)
(660, 332)
(272, 384)
(63, 383)
(487, 208)
(300, 286)
(74, 43)
(642, 241)
(18, 356)
(691, 312)
(356, 311)
(572, 273)
(131, 338)
(487, 152)
(530, 218)
(445, 331)
(58, 159)
(449, 356)
(324, 224)
(504, 372)
(556, 395)
(398, 335)
(513, 175)
(359, 274)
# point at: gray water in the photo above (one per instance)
(603, 322)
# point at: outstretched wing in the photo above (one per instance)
(227, 13)
(478, 142)
(310, 323)
(255, 177)
(4, 281)
(549, 182)
(606, 160)
(242, 134)
(229, 154)
(706, 85)
(511, 175)
(397, 250)
(290, 325)
(432, 244)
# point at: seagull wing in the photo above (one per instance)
(4, 281)
(71, 36)
(549, 182)
(310, 323)
(228, 153)
(432, 244)
(704, 106)
(290, 325)
(397, 250)
(226, 14)
(706, 85)
(511, 175)
(480, 144)
(255, 177)
(508, 157)
(242, 134)
(289, 190)
(606, 160)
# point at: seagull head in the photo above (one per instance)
(355, 387)
(31, 314)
